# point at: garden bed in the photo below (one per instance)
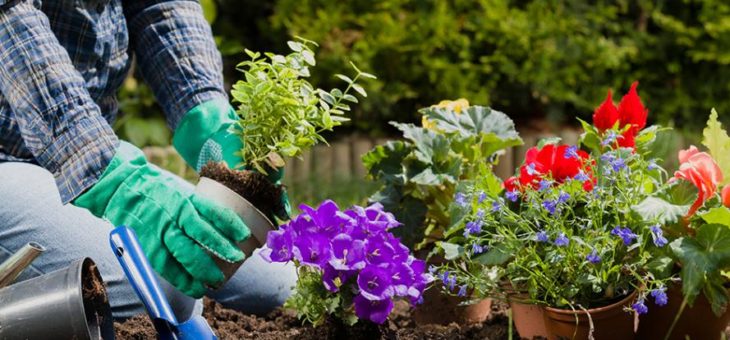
(283, 324)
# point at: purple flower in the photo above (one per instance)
(550, 206)
(618, 164)
(432, 269)
(640, 307)
(480, 214)
(402, 278)
(625, 234)
(544, 184)
(571, 152)
(460, 199)
(496, 206)
(476, 248)
(378, 251)
(312, 250)
(473, 227)
(581, 176)
(462, 291)
(375, 283)
(279, 246)
(448, 280)
(374, 310)
(658, 235)
(610, 138)
(561, 240)
(563, 197)
(652, 165)
(541, 236)
(482, 196)
(347, 254)
(608, 157)
(328, 218)
(531, 169)
(513, 195)
(333, 279)
(593, 257)
(660, 296)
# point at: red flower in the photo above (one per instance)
(701, 170)
(605, 115)
(726, 196)
(554, 162)
(630, 112)
(511, 183)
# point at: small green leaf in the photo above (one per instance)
(718, 143)
(495, 256)
(451, 250)
(344, 78)
(718, 215)
(295, 46)
(550, 140)
(359, 90)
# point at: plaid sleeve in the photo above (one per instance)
(59, 122)
(176, 53)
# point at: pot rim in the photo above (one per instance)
(579, 312)
(258, 233)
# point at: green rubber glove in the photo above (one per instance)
(207, 133)
(177, 229)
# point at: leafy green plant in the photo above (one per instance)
(418, 175)
(563, 231)
(699, 219)
(281, 113)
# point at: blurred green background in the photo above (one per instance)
(541, 62)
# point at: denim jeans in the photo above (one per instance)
(31, 210)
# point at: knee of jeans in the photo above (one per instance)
(27, 184)
(258, 287)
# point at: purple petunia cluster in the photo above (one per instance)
(354, 250)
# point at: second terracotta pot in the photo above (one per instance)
(442, 309)
(528, 320)
(696, 322)
(609, 322)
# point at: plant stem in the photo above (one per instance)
(510, 323)
(676, 318)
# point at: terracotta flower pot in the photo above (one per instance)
(529, 320)
(696, 322)
(609, 322)
(255, 220)
(442, 309)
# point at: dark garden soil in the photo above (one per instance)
(283, 324)
(253, 186)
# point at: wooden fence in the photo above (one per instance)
(343, 158)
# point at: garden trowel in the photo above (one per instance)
(140, 274)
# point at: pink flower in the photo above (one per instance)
(726, 196)
(701, 170)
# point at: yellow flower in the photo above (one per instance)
(427, 124)
(454, 105)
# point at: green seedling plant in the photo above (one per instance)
(419, 174)
(564, 231)
(281, 113)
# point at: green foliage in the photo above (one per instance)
(552, 58)
(704, 257)
(281, 113)
(141, 122)
(718, 144)
(419, 176)
(314, 303)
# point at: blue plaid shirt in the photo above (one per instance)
(62, 61)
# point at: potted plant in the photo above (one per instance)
(697, 219)
(419, 176)
(351, 267)
(563, 234)
(281, 115)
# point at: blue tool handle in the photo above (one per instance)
(140, 274)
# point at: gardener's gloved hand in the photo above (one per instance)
(175, 227)
(208, 133)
